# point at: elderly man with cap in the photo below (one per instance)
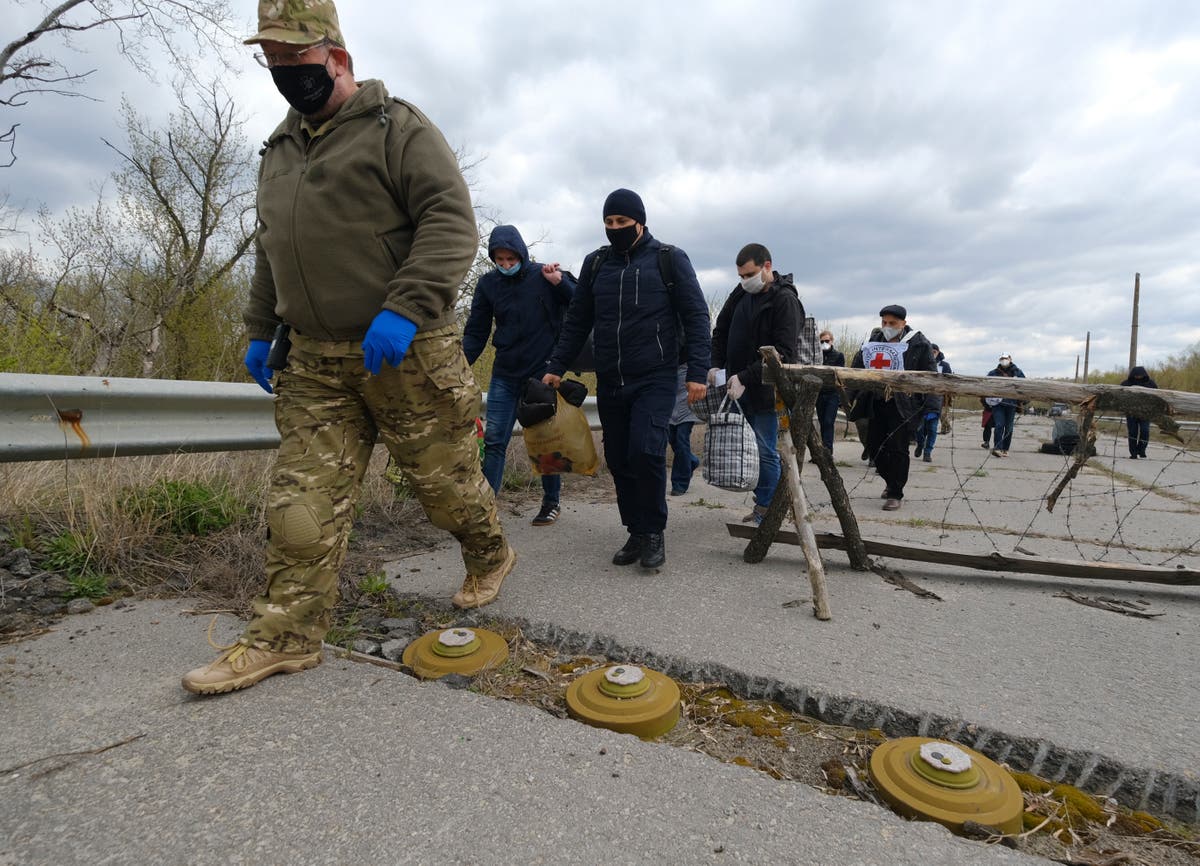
(894, 345)
(644, 303)
(365, 232)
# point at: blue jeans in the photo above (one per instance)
(684, 462)
(827, 406)
(927, 434)
(1003, 417)
(766, 431)
(502, 398)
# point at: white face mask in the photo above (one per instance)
(826, 346)
(1006, 363)
(753, 285)
(891, 333)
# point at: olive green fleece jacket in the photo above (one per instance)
(372, 214)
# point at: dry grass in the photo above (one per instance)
(94, 517)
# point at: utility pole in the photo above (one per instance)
(1137, 292)
(1087, 352)
(1076, 369)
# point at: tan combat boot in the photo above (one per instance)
(240, 667)
(478, 591)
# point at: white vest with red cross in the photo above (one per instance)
(886, 356)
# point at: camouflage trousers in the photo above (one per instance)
(329, 413)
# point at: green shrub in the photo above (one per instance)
(71, 553)
(375, 583)
(186, 507)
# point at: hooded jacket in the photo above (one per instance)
(527, 308)
(636, 317)
(1138, 377)
(771, 317)
(1012, 371)
(918, 356)
(370, 214)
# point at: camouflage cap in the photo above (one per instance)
(297, 22)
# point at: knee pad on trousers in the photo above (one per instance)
(300, 533)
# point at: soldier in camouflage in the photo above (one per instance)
(365, 234)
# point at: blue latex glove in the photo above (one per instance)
(387, 339)
(256, 363)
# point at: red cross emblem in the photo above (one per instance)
(880, 361)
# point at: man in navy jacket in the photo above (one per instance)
(640, 325)
(527, 301)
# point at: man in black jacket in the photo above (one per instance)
(827, 399)
(763, 310)
(893, 420)
(641, 318)
(1138, 428)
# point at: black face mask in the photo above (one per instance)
(306, 87)
(622, 239)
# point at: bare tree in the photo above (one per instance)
(187, 193)
(28, 65)
(150, 283)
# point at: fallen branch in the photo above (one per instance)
(364, 658)
(17, 637)
(81, 753)
(1122, 607)
(898, 580)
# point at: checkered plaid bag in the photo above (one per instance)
(709, 403)
(730, 450)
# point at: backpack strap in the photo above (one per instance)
(588, 275)
(666, 267)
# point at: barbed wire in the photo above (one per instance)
(1120, 486)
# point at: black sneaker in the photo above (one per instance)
(631, 552)
(547, 515)
(654, 553)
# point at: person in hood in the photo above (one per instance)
(763, 309)
(1004, 409)
(828, 399)
(642, 318)
(893, 420)
(365, 232)
(1138, 428)
(527, 302)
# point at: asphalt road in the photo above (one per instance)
(350, 763)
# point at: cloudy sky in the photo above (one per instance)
(1001, 169)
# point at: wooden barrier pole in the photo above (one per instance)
(1001, 562)
(808, 538)
(1150, 403)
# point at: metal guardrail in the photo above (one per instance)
(73, 417)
